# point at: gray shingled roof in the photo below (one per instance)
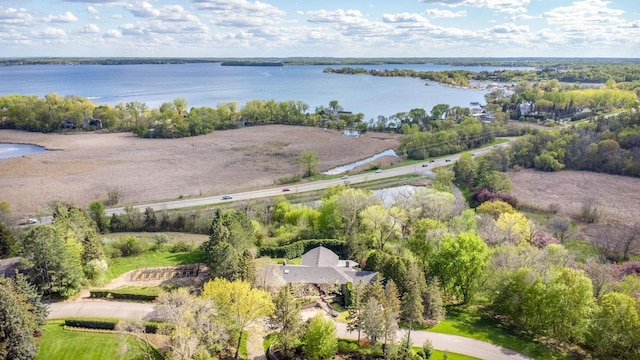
(320, 257)
(322, 266)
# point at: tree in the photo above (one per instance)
(52, 264)
(560, 228)
(495, 208)
(9, 245)
(309, 159)
(133, 333)
(412, 306)
(373, 321)
(433, 304)
(239, 303)
(355, 309)
(231, 237)
(515, 227)
(391, 312)
(320, 339)
(380, 223)
(286, 320)
(21, 317)
(465, 169)
(96, 211)
(459, 264)
(194, 326)
(615, 328)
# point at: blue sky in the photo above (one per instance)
(346, 28)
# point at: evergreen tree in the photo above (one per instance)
(9, 245)
(355, 309)
(21, 316)
(286, 320)
(412, 306)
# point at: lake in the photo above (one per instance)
(209, 84)
(15, 150)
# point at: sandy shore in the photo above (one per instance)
(81, 167)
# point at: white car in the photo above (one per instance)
(32, 221)
(378, 171)
(344, 177)
(227, 197)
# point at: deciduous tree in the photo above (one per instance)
(320, 339)
(308, 159)
(459, 264)
(237, 301)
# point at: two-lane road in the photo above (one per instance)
(304, 187)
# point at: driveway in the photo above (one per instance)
(132, 310)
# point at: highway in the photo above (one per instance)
(416, 168)
(304, 187)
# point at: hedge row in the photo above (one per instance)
(296, 249)
(106, 324)
(113, 294)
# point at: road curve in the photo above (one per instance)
(132, 310)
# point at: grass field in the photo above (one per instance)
(121, 265)
(59, 344)
(469, 323)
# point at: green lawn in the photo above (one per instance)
(469, 323)
(57, 343)
(121, 265)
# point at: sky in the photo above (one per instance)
(313, 28)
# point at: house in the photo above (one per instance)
(87, 122)
(319, 266)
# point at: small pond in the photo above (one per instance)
(17, 150)
(345, 168)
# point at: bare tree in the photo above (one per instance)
(135, 330)
(601, 275)
(616, 242)
(591, 210)
(560, 228)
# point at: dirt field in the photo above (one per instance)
(84, 165)
(620, 194)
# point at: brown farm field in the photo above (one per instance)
(620, 195)
(84, 165)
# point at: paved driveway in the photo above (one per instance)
(132, 310)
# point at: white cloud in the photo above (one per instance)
(92, 10)
(587, 13)
(112, 33)
(491, 4)
(437, 13)
(165, 13)
(53, 33)
(15, 17)
(339, 16)
(240, 13)
(90, 29)
(403, 18)
(509, 28)
(67, 17)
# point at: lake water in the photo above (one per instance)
(15, 150)
(210, 84)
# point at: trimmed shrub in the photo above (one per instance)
(296, 249)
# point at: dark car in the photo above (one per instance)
(432, 161)
(448, 160)
(425, 165)
(286, 189)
